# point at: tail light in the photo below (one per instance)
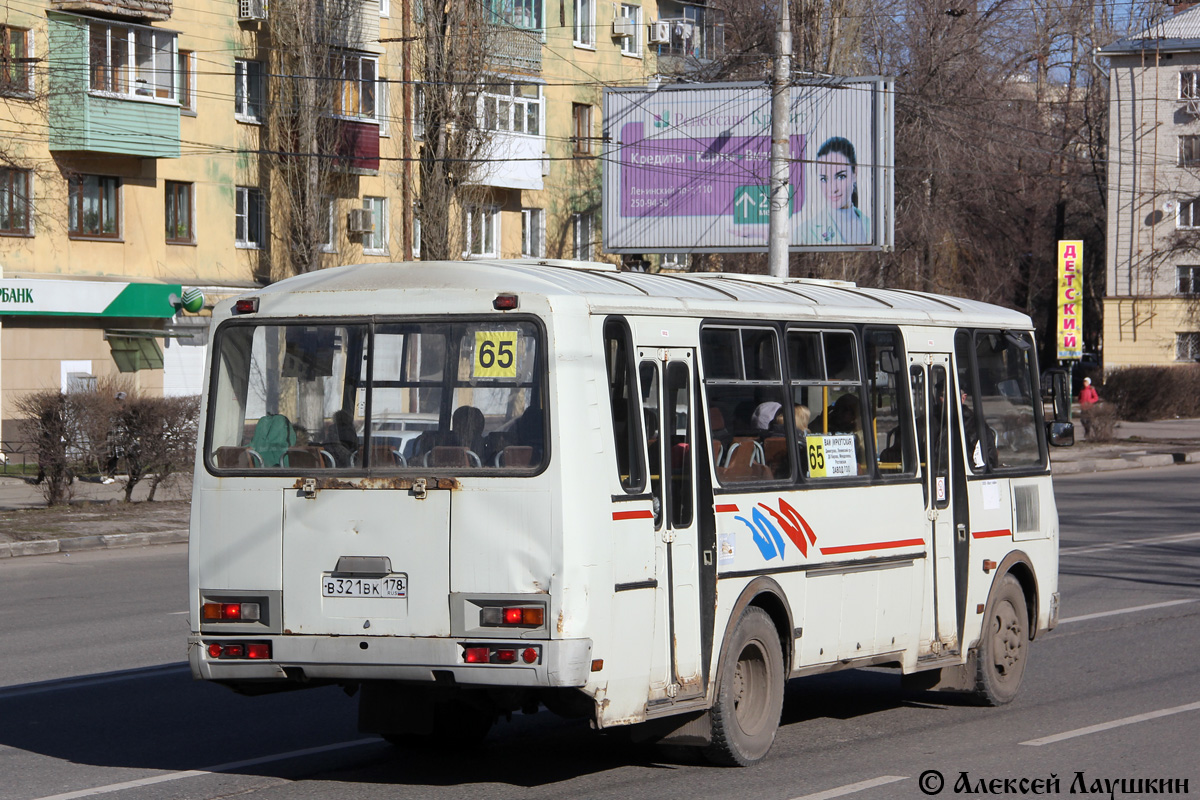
(512, 616)
(231, 612)
(500, 654)
(239, 650)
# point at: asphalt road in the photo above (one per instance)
(95, 700)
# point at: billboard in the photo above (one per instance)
(1070, 299)
(687, 168)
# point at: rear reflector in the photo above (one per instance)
(477, 655)
(262, 650)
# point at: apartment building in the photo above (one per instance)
(1152, 302)
(145, 151)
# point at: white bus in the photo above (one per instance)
(470, 488)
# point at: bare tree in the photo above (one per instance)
(457, 40)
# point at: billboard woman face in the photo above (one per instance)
(836, 177)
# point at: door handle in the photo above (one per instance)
(962, 532)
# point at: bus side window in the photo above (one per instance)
(623, 399)
(890, 428)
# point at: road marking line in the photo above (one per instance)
(60, 684)
(1087, 549)
(194, 773)
(1117, 723)
(1100, 614)
(852, 788)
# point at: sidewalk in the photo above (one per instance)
(97, 519)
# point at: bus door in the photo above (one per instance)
(929, 377)
(668, 403)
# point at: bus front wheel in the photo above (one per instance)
(745, 714)
(1004, 646)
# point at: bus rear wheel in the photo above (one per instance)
(745, 714)
(1004, 645)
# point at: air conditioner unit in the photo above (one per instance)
(660, 32)
(361, 220)
(252, 9)
(624, 28)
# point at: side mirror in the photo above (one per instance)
(1060, 434)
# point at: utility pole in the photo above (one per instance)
(781, 145)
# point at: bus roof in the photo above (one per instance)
(607, 290)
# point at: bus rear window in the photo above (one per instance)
(462, 396)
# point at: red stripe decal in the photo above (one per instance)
(644, 514)
(725, 509)
(861, 548)
(990, 534)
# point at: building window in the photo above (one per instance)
(179, 213)
(581, 115)
(1189, 150)
(515, 107)
(15, 74)
(585, 23)
(1187, 280)
(525, 14)
(94, 206)
(14, 201)
(416, 232)
(1187, 346)
(674, 261)
(375, 241)
(247, 90)
(187, 81)
(533, 232)
(355, 96)
(1189, 85)
(632, 45)
(132, 61)
(584, 237)
(383, 109)
(329, 224)
(1189, 214)
(385, 8)
(481, 230)
(248, 213)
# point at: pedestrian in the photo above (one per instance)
(1088, 395)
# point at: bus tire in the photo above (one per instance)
(1003, 646)
(749, 700)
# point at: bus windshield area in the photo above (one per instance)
(463, 396)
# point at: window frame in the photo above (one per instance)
(525, 15)
(186, 87)
(379, 226)
(329, 214)
(1189, 85)
(582, 125)
(584, 28)
(1187, 216)
(1187, 340)
(75, 203)
(10, 197)
(516, 107)
(248, 94)
(355, 89)
(488, 217)
(21, 84)
(1187, 279)
(583, 250)
(117, 71)
(254, 201)
(179, 195)
(631, 45)
(533, 232)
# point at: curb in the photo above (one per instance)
(45, 547)
(1130, 462)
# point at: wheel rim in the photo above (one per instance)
(1008, 642)
(751, 680)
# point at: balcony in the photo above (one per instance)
(150, 10)
(357, 150)
(515, 49)
(696, 35)
(115, 89)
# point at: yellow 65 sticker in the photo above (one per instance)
(495, 354)
(816, 456)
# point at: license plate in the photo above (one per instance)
(389, 586)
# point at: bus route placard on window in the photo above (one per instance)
(495, 354)
(831, 456)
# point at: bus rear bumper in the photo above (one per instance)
(560, 662)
